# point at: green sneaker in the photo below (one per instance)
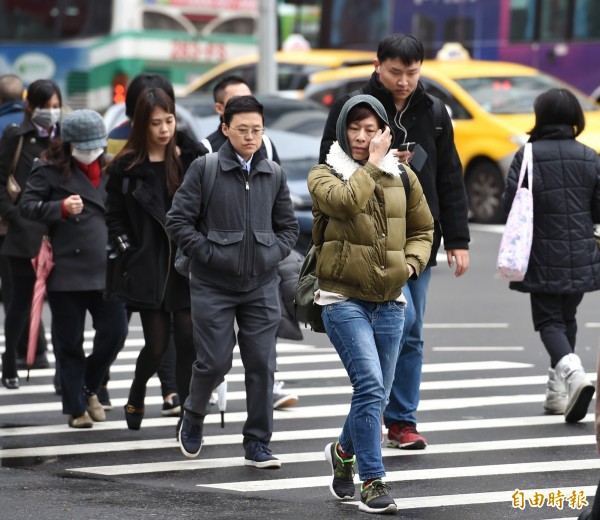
(342, 484)
(375, 498)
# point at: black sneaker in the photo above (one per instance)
(375, 498)
(342, 484)
(190, 434)
(171, 407)
(104, 398)
(260, 456)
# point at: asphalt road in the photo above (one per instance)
(492, 452)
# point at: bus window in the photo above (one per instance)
(553, 21)
(155, 21)
(522, 17)
(586, 23)
(53, 20)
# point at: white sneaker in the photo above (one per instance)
(556, 394)
(579, 388)
(282, 399)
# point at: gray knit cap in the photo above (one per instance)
(340, 128)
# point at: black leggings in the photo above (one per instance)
(554, 318)
(156, 325)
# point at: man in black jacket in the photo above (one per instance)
(419, 118)
(247, 228)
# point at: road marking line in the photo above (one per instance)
(478, 349)
(439, 426)
(308, 412)
(287, 458)
(465, 325)
(325, 373)
(492, 497)
(416, 474)
(238, 395)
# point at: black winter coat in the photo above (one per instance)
(566, 203)
(24, 236)
(78, 241)
(441, 176)
(246, 230)
(144, 275)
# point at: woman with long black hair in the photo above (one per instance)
(143, 178)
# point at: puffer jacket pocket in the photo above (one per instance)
(226, 251)
(267, 253)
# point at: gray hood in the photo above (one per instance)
(340, 128)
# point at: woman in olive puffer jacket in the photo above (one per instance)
(370, 240)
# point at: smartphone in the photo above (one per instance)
(406, 147)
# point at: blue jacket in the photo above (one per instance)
(11, 113)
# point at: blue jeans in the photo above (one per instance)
(367, 337)
(404, 397)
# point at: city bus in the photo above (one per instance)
(559, 37)
(92, 48)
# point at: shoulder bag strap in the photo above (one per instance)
(208, 180)
(13, 166)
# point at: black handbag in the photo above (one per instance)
(307, 310)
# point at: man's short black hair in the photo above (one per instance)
(142, 82)
(403, 46)
(242, 104)
(222, 84)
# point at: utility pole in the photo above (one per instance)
(267, 46)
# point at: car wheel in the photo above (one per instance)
(485, 185)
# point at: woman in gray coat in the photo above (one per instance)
(565, 261)
(66, 191)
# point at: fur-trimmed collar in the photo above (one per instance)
(345, 166)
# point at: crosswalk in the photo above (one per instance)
(491, 450)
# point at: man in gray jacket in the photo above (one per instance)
(247, 227)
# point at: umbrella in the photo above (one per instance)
(222, 400)
(42, 265)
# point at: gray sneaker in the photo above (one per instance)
(375, 498)
(342, 484)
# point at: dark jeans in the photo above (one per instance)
(77, 372)
(554, 318)
(18, 308)
(257, 314)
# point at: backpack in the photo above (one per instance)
(182, 261)
(306, 309)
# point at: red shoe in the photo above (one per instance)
(406, 437)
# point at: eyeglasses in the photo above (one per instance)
(243, 132)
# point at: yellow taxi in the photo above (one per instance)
(491, 104)
(294, 68)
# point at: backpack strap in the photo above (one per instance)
(268, 147)
(207, 145)
(405, 183)
(276, 177)
(438, 116)
(208, 180)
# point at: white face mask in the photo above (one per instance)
(46, 117)
(87, 156)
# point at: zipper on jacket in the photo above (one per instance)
(245, 271)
